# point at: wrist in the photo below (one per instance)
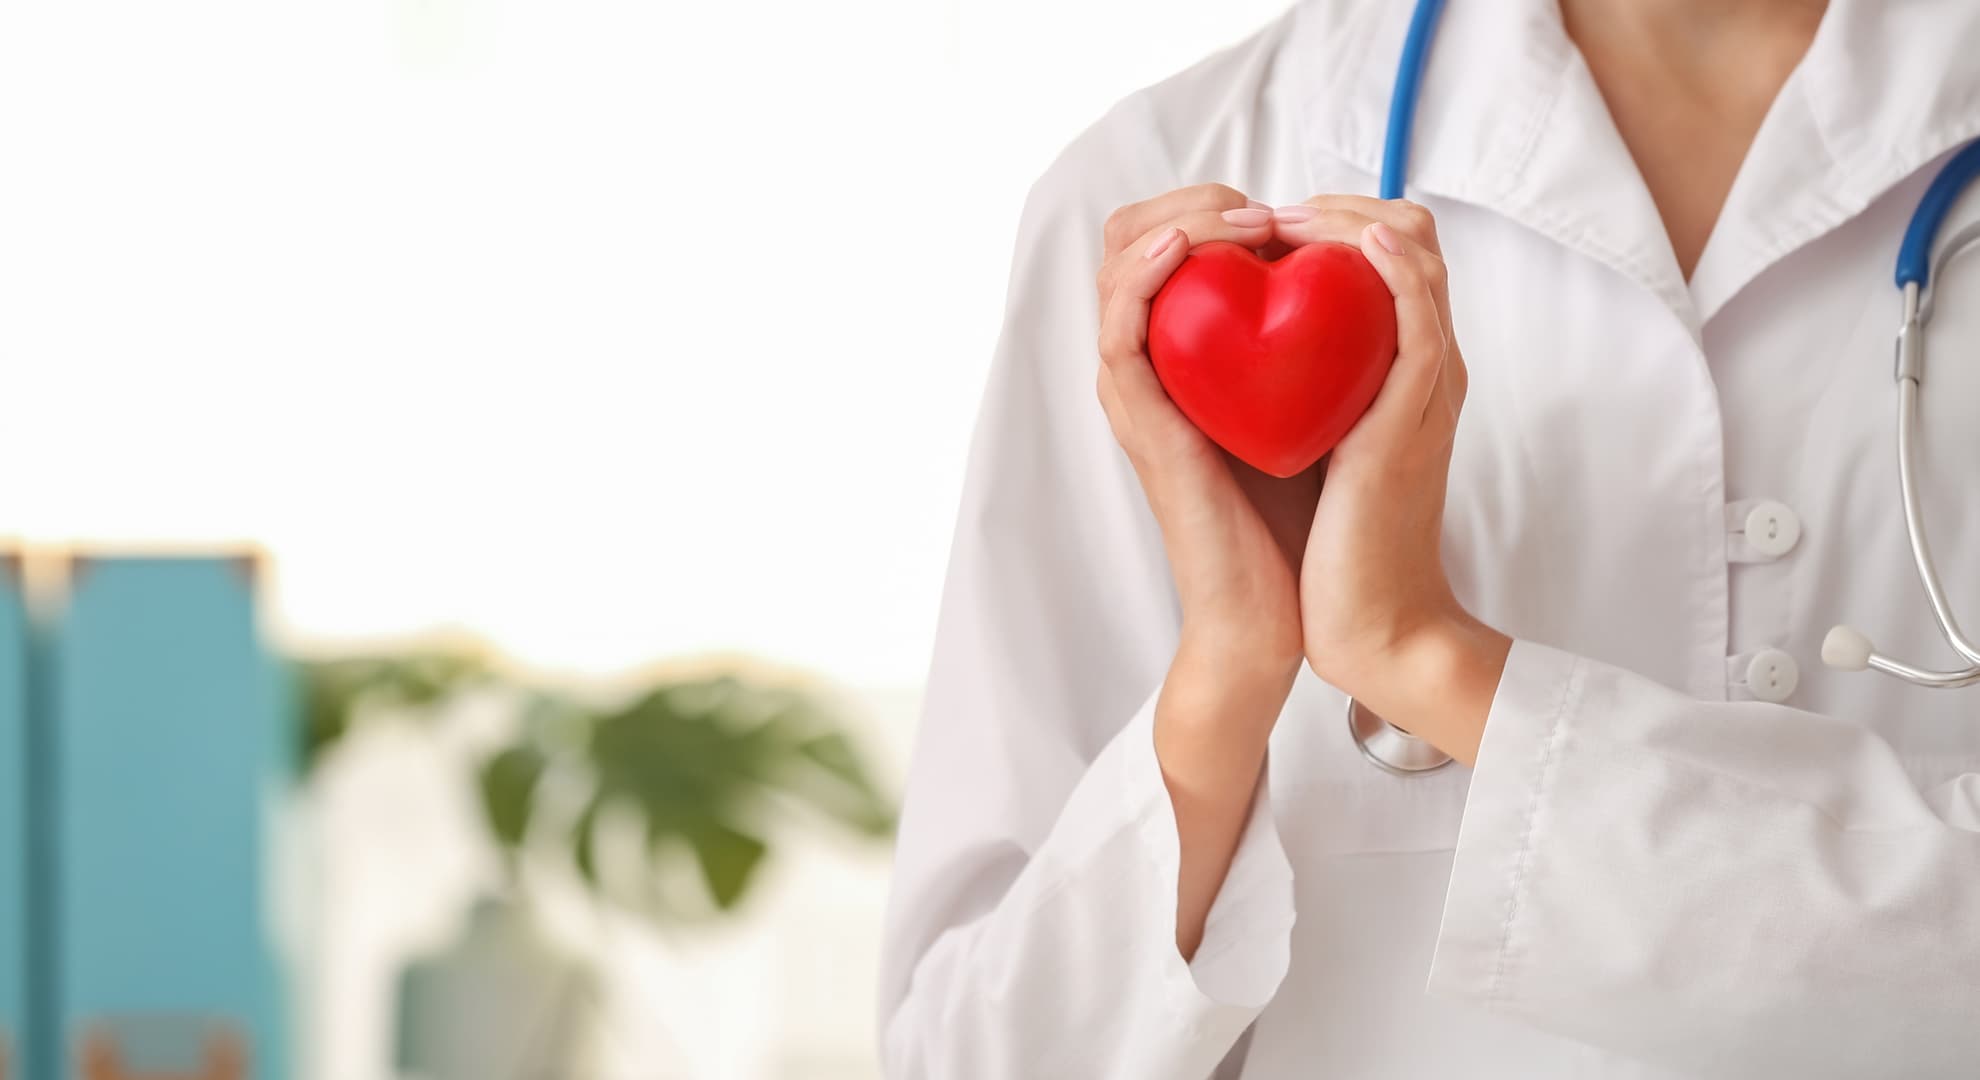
(1222, 701)
(1438, 682)
(1241, 648)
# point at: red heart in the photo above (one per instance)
(1274, 361)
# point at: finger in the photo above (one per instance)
(1305, 224)
(1421, 347)
(1329, 217)
(1135, 220)
(1124, 320)
(1413, 220)
(1338, 221)
(1246, 225)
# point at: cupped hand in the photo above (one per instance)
(1379, 619)
(1233, 535)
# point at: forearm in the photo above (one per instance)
(1213, 720)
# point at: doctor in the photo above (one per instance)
(1648, 264)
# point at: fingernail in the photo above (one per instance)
(1163, 243)
(1256, 205)
(1296, 212)
(1387, 237)
(1248, 218)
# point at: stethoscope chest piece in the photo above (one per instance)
(1391, 748)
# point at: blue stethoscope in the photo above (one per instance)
(1845, 648)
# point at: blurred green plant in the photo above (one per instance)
(334, 691)
(711, 765)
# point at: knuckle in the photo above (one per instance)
(1113, 344)
(1114, 232)
(1417, 217)
(1217, 196)
(1409, 274)
(1341, 218)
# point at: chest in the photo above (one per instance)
(1609, 464)
(1616, 460)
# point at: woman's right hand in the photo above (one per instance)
(1233, 534)
(1234, 537)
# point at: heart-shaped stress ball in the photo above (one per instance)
(1274, 361)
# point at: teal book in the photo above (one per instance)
(168, 746)
(14, 960)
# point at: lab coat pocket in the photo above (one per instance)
(1328, 799)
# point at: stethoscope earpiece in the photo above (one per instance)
(1847, 649)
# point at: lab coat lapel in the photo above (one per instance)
(1509, 119)
(1887, 87)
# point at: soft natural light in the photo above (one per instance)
(610, 329)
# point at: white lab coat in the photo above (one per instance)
(1660, 866)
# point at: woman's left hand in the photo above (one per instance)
(1378, 616)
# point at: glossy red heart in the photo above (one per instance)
(1274, 361)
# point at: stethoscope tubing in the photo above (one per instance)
(1914, 274)
(1402, 100)
(1914, 261)
(1388, 747)
(1399, 752)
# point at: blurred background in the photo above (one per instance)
(475, 480)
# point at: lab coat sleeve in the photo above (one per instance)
(1031, 931)
(1736, 889)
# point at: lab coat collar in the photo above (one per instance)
(1511, 120)
(1887, 87)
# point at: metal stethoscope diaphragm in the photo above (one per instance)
(1389, 747)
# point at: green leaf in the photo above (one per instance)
(711, 763)
(728, 858)
(853, 799)
(336, 692)
(508, 791)
(584, 843)
(833, 752)
(326, 709)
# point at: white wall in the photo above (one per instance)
(610, 329)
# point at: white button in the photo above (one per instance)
(1772, 529)
(1772, 675)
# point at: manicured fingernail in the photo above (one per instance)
(1163, 243)
(1248, 218)
(1387, 237)
(1296, 212)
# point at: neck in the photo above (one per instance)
(1692, 13)
(1695, 38)
(1688, 83)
